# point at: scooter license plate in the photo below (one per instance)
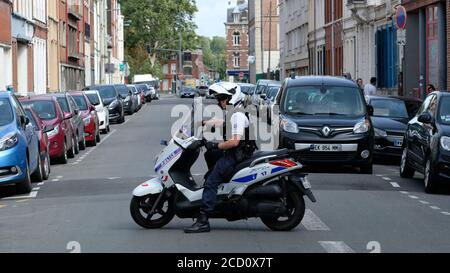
(306, 183)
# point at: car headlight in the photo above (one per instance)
(87, 121)
(362, 127)
(289, 126)
(445, 143)
(113, 104)
(8, 141)
(53, 132)
(379, 132)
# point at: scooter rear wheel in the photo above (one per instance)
(140, 208)
(296, 211)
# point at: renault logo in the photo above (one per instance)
(326, 131)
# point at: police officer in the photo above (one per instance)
(226, 154)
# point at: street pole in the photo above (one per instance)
(332, 38)
(262, 40)
(270, 39)
(180, 60)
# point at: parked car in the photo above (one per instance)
(329, 119)
(141, 88)
(203, 90)
(19, 145)
(112, 99)
(90, 117)
(269, 92)
(69, 106)
(426, 147)
(129, 101)
(390, 118)
(61, 138)
(146, 89)
(246, 88)
(136, 97)
(260, 86)
(102, 110)
(44, 144)
(188, 92)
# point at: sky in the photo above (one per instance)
(211, 17)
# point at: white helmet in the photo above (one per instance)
(229, 89)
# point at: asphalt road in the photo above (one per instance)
(85, 206)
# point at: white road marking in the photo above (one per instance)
(387, 178)
(40, 184)
(445, 213)
(424, 202)
(36, 189)
(59, 176)
(113, 178)
(395, 185)
(404, 192)
(55, 180)
(435, 208)
(32, 194)
(413, 197)
(313, 223)
(336, 247)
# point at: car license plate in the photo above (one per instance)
(306, 183)
(326, 148)
(398, 142)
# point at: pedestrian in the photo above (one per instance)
(371, 88)
(430, 88)
(360, 83)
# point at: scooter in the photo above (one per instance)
(270, 185)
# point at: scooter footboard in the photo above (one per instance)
(152, 186)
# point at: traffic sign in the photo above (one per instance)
(400, 17)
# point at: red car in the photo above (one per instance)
(62, 143)
(89, 115)
(44, 144)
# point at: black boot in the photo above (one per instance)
(201, 225)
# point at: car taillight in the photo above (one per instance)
(284, 163)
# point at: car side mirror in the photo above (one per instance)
(425, 118)
(24, 120)
(263, 96)
(68, 115)
(370, 110)
(76, 111)
(92, 108)
(48, 128)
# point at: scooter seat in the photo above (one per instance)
(257, 155)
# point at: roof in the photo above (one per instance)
(4, 94)
(77, 93)
(39, 97)
(238, 8)
(321, 80)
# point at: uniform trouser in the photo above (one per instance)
(221, 173)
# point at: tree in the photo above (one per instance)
(214, 53)
(157, 23)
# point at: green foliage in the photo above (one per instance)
(157, 23)
(214, 53)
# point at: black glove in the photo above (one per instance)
(211, 146)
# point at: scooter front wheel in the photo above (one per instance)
(296, 212)
(141, 211)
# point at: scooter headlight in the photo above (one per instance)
(8, 141)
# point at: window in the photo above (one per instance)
(173, 68)
(236, 60)
(236, 38)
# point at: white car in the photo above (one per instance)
(102, 110)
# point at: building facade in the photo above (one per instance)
(236, 29)
(294, 29)
(53, 53)
(6, 78)
(426, 49)
(264, 38)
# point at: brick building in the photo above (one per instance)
(237, 42)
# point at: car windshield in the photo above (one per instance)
(245, 89)
(272, 92)
(44, 109)
(6, 114)
(330, 101)
(81, 102)
(389, 108)
(93, 98)
(106, 92)
(31, 117)
(123, 90)
(141, 87)
(444, 112)
(64, 105)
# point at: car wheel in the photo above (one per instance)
(25, 186)
(46, 167)
(38, 175)
(108, 129)
(77, 146)
(405, 170)
(82, 144)
(64, 158)
(98, 137)
(431, 179)
(71, 153)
